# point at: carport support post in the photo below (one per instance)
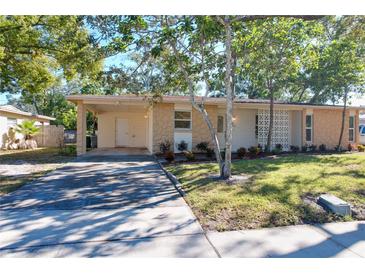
(81, 129)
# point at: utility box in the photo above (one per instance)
(334, 204)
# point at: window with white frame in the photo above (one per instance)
(351, 128)
(308, 128)
(182, 119)
(11, 122)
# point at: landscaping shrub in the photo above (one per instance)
(254, 151)
(294, 149)
(278, 149)
(169, 156)
(189, 155)
(361, 148)
(67, 150)
(322, 148)
(312, 148)
(210, 152)
(202, 146)
(338, 148)
(351, 147)
(304, 148)
(241, 152)
(182, 146)
(165, 146)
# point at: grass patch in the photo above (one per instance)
(277, 190)
(38, 162)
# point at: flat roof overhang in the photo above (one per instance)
(122, 100)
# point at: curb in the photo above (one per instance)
(172, 178)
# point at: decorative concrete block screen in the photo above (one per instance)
(280, 128)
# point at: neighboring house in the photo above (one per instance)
(130, 121)
(10, 117)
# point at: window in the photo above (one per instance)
(363, 130)
(308, 128)
(351, 128)
(182, 119)
(220, 124)
(12, 122)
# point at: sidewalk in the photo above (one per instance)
(302, 241)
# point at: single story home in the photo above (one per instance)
(11, 116)
(132, 121)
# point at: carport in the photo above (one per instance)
(123, 121)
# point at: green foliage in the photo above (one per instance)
(28, 129)
(189, 155)
(182, 146)
(33, 49)
(322, 148)
(202, 146)
(169, 156)
(241, 152)
(165, 146)
(294, 149)
(69, 150)
(361, 148)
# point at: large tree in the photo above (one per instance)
(340, 72)
(273, 53)
(35, 50)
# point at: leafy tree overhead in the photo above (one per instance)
(35, 49)
(273, 53)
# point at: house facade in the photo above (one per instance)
(132, 121)
(11, 116)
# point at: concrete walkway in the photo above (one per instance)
(118, 205)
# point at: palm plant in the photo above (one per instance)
(28, 129)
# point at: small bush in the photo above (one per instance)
(278, 149)
(67, 151)
(304, 148)
(189, 155)
(338, 148)
(351, 147)
(210, 152)
(312, 148)
(294, 149)
(165, 146)
(361, 148)
(202, 146)
(169, 156)
(322, 148)
(223, 154)
(241, 152)
(182, 146)
(254, 151)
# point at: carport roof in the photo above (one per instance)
(116, 99)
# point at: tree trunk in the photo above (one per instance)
(229, 102)
(343, 120)
(271, 122)
(201, 109)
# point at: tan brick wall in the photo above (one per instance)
(327, 127)
(163, 125)
(200, 132)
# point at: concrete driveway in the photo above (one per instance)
(101, 205)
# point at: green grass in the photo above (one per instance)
(43, 160)
(273, 196)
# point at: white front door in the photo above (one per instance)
(122, 134)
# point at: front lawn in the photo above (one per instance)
(18, 167)
(277, 192)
